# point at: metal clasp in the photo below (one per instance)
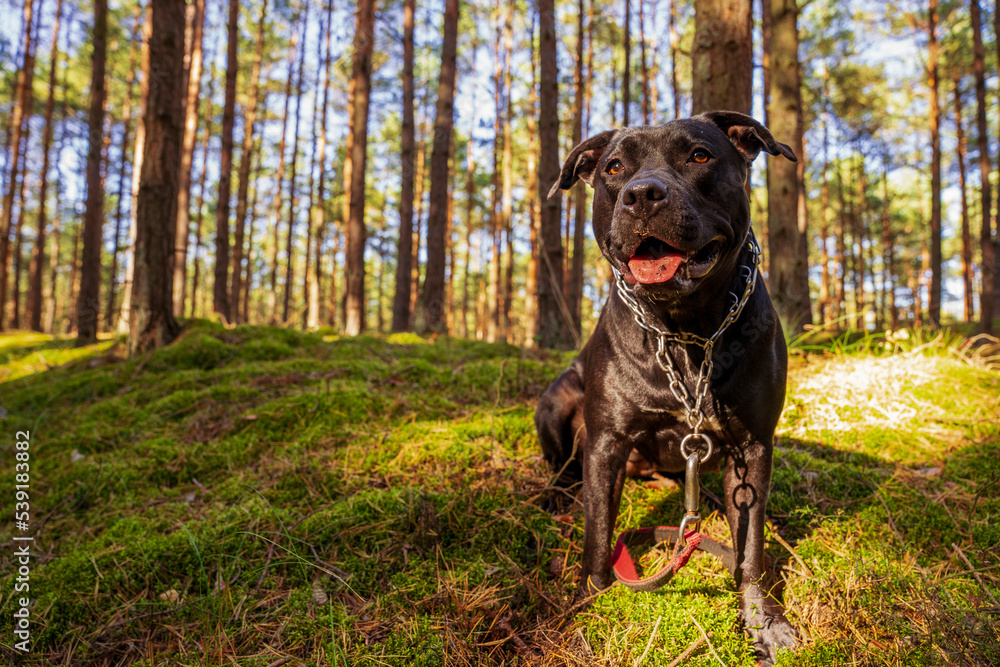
(692, 498)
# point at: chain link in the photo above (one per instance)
(694, 414)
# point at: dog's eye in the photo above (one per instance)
(700, 156)
(615, 166)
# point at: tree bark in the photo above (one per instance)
(642, 62)
(153, 324)
(316, 214)
(531, 281)
(418, 216)
(986, 296)
(824, 229)
(788, 277)
(404, 254)
(627, 69)
(125, 142)
(433, 297)
(354, 303)
(88, 301)
(934, 303)
(580, 191)
(125, 317)
(553, 330)
(246, 161)
(496, 225)
(193, 76)
(292, 192)
(722, 56)
(38, 253)
(967, 311)
(470, 198)
(674, 47)
(507, 192)
(200, 206)
(24, 100)
(279, 179)
(220, 291)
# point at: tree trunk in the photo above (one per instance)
(125, 142)
(316, 215)
(674, 47)
(840, 300)
(404, 253)
(722, 56)
(418, 215)
(153, 324)
(292, 192)
(18, 255)
(183, 228)
(88, 301)
(642, 62)
(987, 247)
(580, 194)
(38, 253)
(788, 277)
(220, 292)
(246, 160)
(23, 103)
(244, 296)
(857, 230)
(433, 296)
(531, 280)
(934, 304)
(507, 192)
(279, 179)
(824, 229)
(354, 304)
(627, 69)
(994, 258)
(553, 330)
(888, 252)
(496, 225)
(200, 206)
(966, 231)
(125, 317)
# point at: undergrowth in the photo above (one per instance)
(251, 495)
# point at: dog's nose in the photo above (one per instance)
(644, 196)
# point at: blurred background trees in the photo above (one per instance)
(383, 164)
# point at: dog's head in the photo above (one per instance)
(670, 204)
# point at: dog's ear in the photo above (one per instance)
(581, 162)
(747, 135)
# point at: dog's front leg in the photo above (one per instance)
(746, 483)
(603, 478)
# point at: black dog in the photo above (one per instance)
(671, 214)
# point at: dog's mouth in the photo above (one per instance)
(656, 261)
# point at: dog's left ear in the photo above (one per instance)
(582, 161)
(747, 135)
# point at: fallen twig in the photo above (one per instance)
(707, 640)
(688, 651)
(975, 574)
(649, 644)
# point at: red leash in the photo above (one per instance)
(624, 566)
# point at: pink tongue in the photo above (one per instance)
(655, 269)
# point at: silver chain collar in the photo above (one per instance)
(694, 414)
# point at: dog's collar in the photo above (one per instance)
(695, 416)
(628, 296)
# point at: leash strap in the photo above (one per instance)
(624, 566)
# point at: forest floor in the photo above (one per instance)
(251, 495)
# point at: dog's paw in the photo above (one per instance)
(770, 632)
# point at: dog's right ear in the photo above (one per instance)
(582, 161)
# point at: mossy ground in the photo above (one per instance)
(254, 494)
